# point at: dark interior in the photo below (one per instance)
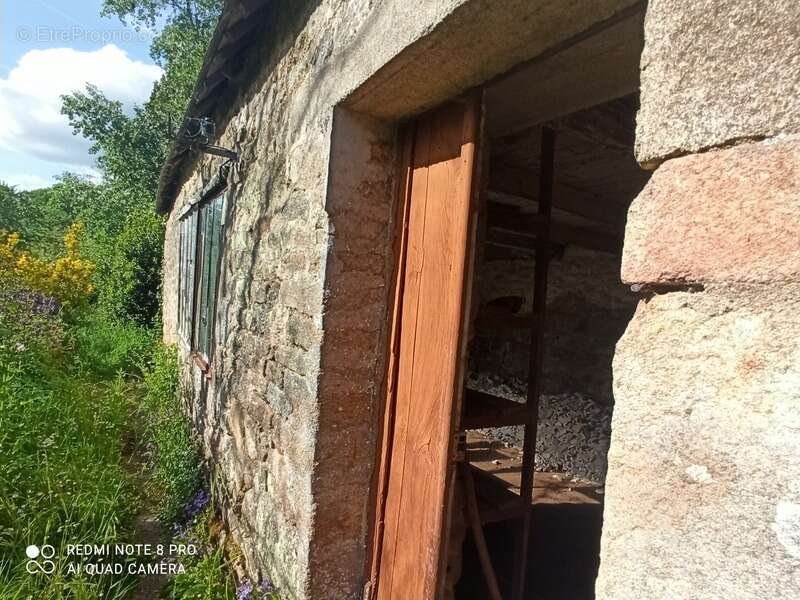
(585, 310)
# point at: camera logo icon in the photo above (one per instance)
(39, 559)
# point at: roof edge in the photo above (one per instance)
(232, 35)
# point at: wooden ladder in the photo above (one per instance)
(483, 410)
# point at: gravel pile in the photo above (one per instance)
(574, 431)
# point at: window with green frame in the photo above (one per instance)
(199, 264)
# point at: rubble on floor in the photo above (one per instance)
(573, 434)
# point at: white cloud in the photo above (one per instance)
(35, 181)
(28, 182)
(30, 97)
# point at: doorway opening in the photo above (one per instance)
(508, 307)
(558, 174)
(548, 309)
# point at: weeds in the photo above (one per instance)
(104, 348)
(204, 580)
(63, 478)
(71, 393)
(174, 453)
(208, 574)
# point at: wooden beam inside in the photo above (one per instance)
(522, 183)
(485, 410)
(511, 228)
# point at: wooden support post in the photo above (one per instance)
(474, 519)
(535, 357)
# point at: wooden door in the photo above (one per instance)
(426, 364)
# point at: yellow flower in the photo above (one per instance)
(68, 278)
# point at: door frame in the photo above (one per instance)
(469, 195)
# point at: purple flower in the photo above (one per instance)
(245, 591)
(197, 504)
(266, 586)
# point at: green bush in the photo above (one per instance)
(129, 269)
(175, 456)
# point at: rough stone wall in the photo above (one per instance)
(287, 411)
(702, 493)
(588, 310)
(259, 412)
(736, 210)
(741, 83)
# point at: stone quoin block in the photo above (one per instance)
(703, 487)
(726, 215)
(715, 71)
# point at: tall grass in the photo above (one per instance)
(64, 410)
(77, 399)
(104, 348)
(207, 579)
(174, 454)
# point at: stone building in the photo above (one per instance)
(424, 238)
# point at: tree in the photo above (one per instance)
(126, 238)
(196, 14)
(42, 216)
(130, 149)
(13, 209)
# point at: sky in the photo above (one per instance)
(53, 47)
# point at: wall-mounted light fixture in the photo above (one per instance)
(197, 132)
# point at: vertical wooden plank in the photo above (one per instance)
(431, 350)
(411, 289)
(406, 141)
(469, 187)
(430, 388)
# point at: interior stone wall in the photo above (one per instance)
(702, 495)
(588, 309)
